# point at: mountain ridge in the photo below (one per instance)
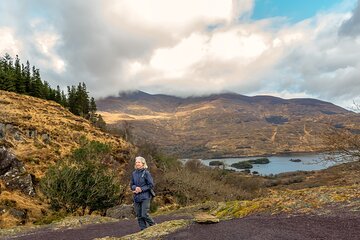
(139, 95)
(228, 124)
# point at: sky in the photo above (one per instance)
(289, 49)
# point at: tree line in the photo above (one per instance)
(24, 79)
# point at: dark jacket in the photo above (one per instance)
(141, 178)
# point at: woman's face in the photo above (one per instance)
(138, 164)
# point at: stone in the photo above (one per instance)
(31, 133)
(17, 136)
(8, 127)
(20, 214)
(45, 138)
(2, 130)
(121, 212)
(205, 218)
(13, 173)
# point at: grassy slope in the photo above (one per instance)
(22, 113)
(26, 113)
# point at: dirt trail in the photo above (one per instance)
(91, 231)
(345, 225)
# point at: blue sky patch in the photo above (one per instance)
(294, 10)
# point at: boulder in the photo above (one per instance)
(17, 136)
(121, 212)
(20, 214)
(32, 133)
(2, 130)
(45, 138)
(13, 173)
(205, 218)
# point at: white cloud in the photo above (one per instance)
(174, 16)
(244, 46)
(177, 60)
(187, 47)
(46, 42)
(8, 41)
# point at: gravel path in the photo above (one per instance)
(91, 231)
(344, 226)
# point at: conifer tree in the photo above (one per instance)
(9, 78)
(93, 107)
(2, 73)
(27, 77)
(64, 100)
(16, 77)
(58, 94)
(82, 100)
(36, 86)
(19, 81)
(72, 100)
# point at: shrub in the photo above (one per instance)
(82, 181)
(206, 184)
(194, 165)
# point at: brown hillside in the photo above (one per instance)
(227, 125)
(39, 133)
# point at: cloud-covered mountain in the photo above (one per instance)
(228, 124)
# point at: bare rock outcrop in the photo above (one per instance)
(121, 212)
(13, 173)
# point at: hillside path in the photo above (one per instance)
(90, 231)
(342, 226)
(337, 227)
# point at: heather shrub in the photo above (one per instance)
(82, 181)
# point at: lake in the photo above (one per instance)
(280, 164)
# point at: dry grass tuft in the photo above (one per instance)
(35, 208)
(155, 232)
(292, 201)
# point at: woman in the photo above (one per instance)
(141, 183)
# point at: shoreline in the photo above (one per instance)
(256, 156)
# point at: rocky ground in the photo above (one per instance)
(339, 224)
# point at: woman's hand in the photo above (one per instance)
(137, 190)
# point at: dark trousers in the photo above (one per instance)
(142, 214)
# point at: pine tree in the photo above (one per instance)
(58, 94)
(16, 77)
(92, 107)
(72, 100)
(82, 101)
(100, 123)
(36, 86)
(9, 77)
(19, 81)
(27, 77)
(2, 74)
(64, 101)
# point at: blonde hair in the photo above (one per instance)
(142, 160)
